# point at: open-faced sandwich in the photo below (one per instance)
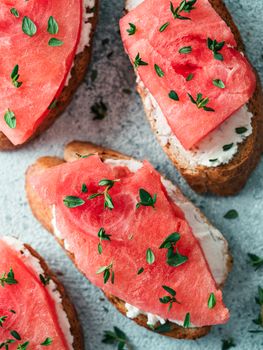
(45, 47)
(201, 95)
(35, 311)
(133, 234)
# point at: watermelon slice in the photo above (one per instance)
(176, 50)
(26, 307)
(132, 232)
(42, 68)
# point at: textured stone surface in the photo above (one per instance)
(126, 129)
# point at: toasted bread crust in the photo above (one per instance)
(230, 178)
(75, 327)
(44, 215)
(78, 72)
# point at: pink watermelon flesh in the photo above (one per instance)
(188, 123)
(42, 68)
(132, 232)
(35, 317)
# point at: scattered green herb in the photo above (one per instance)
(169, 299)
(259, 320)
(189, 77)
(29, 27)
(185, 50)
(211, 301)
(255, 261)
(175, 259)
(73, 201)
(201, 102)
(146, 199)
(14, 12)
(117, 337)
(103, 237)
(47, 342)
(140, 271)
(170, 241)
(219, 83)
(241, 130)
(44, 280)
(15, 334)
(159, 71)
(173, 95)
(213, 160)
(52, 26)
(99, 109)
(23, 346)
(10, 119)
(84, 188)
(186, 6)
(107, 273)
(15, 76)
(231, 214)
(13, 311)
(2, 320)
(6, 343)
(228, 147)
(108, 203)
(55, 42)
(187, 320)
(8, 279)
(228, 343)
(139, 62)
(164, 26)
(132, 29)
(215, 46)
(150, 257)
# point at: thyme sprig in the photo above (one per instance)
(103, 236)
(201, 102)
(215, 46)
(107, 273)
(169, 299)
(174, 259)
(108, 202)
(8, 278)
(117, 337)
(185, 6)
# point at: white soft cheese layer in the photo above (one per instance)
(34, 263)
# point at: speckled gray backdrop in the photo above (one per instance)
(125, 128)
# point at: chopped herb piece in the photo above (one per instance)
(29, 27)
(241, 130)
(99, 109)
(187, 320)
(231, 214)
(46, 342)
(132, 29)
(185, 50)
(169, 299)
(215, 46)
(228, 147)
(175, 259)
(84, 188)
(2, 320)
(164, 26)
(185, 6)
(163, 328)
(150, 257)
(189, 77)
(255, 261)
(117, 337)
(52, 27)
(219, 83)
(73, 201)
(108, 203)
(169, 290)
(159, 71)
(103, 237)
(139, 62)
(173, 95)
(228, 343)
(170, 241)
(9, 279)
(15, 76)
(211, 301)
(10, 119)
(14, 12)
(146, 199)
(55, 42)
(15, 334)
(13, 311)
(107, 272)
(213, 160)
(201, 102)
(44, 280)
(140, 271)
(23, 346)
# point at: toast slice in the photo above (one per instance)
(69, 309)
(223, 180)
(77, 74)
(43, 214)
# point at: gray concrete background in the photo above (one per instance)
(125, 128)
